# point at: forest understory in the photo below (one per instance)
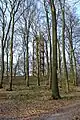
(35, 102)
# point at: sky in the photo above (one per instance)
(75, 4)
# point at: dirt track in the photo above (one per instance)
(71, 112)
(67, 113)
(10, 109)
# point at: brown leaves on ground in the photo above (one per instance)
(30, 102)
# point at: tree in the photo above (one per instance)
(71, 24)
(65, 74)
(33, 60)
(47, 60)
(42, 64)
(3, 9)
(49, 38)
(14, 10)
(38, 58)
(55, 89)
(7, 55)
(59, 62)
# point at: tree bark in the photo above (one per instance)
(49, 38)
(59, 63)
(33, 59)
(11, 53)
(55, 89)
(47, 59)
(38, 61)
(2, 44)
(7, 56)
(65, 72)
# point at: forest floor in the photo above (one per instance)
(35, 103)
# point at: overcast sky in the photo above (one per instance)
(75, 3)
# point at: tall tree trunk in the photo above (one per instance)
(59, 62)
(24, 66)
(24, 57)
(55, 89)
(71, 55)
(7, 57)
(63, 46)
(47, 59)
(43, 58)
(27, 50)
(27, 62)
(75, 71)
(72, 59)
(38, 61)
(33, 59)
(11, 53)
(2, 44)
(2, 67)
(49, 38)
(41, 50)
(50, 63)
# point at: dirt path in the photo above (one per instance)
(66, 113)
(39, 109)
(71, 112)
